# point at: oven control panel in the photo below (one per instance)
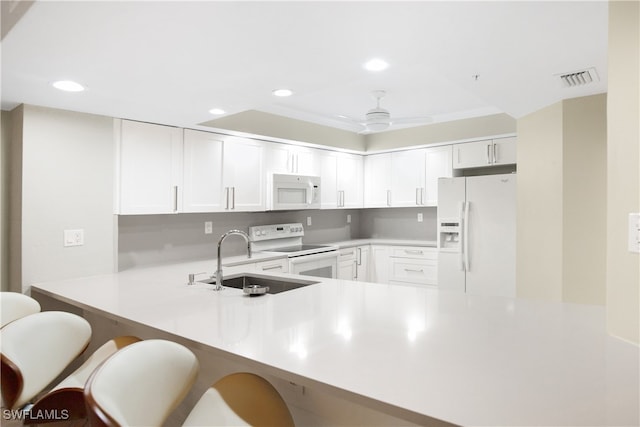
(276, 231)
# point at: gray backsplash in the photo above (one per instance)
(158, 239)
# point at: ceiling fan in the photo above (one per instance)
(378, 119)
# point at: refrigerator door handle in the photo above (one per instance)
(465, 249)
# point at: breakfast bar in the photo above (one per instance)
(424, 356)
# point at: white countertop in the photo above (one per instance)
(465, 359)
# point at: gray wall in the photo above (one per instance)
(399, 223)
(157, 239)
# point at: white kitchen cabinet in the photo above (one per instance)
(407, 178)
(243, 175)
(203, 165)
(353, 263)
(438, 164)
(413, 265)
(149, 168)
(347, 264)
(379, 267)
(491, 152)
(285, 158)
(377, 180)
(362, 263)
(341, 180)
(222, 173)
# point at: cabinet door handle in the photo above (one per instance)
(233, 197)
(175, 198)
(413, 270)
(359, 256)
(488, 154)
(495, 153)
(388, 197)
(226, 192)
(272, 267)
(413, 251)
(422, 190)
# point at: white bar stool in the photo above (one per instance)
(240, 399)
(14, 305)
(141, 384)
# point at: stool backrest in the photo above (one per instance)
(36, 349)
(14, 305)
(141, 384)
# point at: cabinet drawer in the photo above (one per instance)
(273, 266)
(414, 252)
(414, 271)
(347, 254)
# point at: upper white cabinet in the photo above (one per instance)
(243, 174)
(341, 180)
(222, 173)
(167, 170)
(150, 168)
(203, 157)
(491, 152)
(377, 180)
(438, 164)
(283, 158)
(406, 178)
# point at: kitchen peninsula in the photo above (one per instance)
(420, 355)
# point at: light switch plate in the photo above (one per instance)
(73, 237)
(634, 232)
(208, 227)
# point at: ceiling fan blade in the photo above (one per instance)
(411, 120)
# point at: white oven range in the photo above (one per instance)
(306, 260)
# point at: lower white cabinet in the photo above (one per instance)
(353, 263)
(412, 264)
(403, 265)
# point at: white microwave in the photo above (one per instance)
(294, 192)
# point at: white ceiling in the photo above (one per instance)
(171, 62)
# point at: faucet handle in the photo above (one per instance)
(192, 277)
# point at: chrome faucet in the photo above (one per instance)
(219, 278)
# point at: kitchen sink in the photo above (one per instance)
(256, 281)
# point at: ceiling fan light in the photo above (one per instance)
(377, 126)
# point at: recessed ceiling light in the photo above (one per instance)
(282, 92)
(376, 64)
(217, 111)
(68, 86)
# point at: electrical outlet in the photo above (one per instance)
(73, 237)
(420, 217)
(634, 232)
(208, 227)
(308, 221)
(348, 219)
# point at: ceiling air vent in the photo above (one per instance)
(579, 78)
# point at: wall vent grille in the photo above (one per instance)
(579, 78)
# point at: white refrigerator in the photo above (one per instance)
(477, 234)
